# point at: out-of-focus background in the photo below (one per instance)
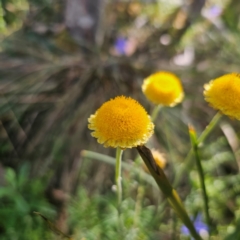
(59, 61)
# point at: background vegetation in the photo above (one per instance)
(59, 61)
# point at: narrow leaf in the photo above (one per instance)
(53, 227)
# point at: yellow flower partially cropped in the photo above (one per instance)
(121, 122)
(223, 94)
(159, 159)
(163, 88)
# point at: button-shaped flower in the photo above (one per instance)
(163, 88)
(159, 159)
(121, 122)
(223, 94)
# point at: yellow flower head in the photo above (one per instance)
(159, 159)
(223, 94)
(121, 122)
(163, 88)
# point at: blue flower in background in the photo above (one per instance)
(199, 225)
(120, 45)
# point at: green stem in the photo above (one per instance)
(201, 176)
(138, 205)
(118, 178)
(155, 112)
(167, 189)
(187, 161)
(209, 128)
(129, 167)
(177, 205)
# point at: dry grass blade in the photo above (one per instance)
(53, 227)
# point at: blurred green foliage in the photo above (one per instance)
(19, 198)
(137, 220)
(50, 84)
(12, 14)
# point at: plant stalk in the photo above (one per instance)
(195, 145)
(209, 128)
(187, 163)
(155, 112)
(167, 189)
(118, 178)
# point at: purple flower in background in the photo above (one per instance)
(215, 11)
(212, 12)
(125, 46)
(200, 227)
(120, 45)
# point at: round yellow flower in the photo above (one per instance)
(121, 122)
(163, 88)
(223, 94)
